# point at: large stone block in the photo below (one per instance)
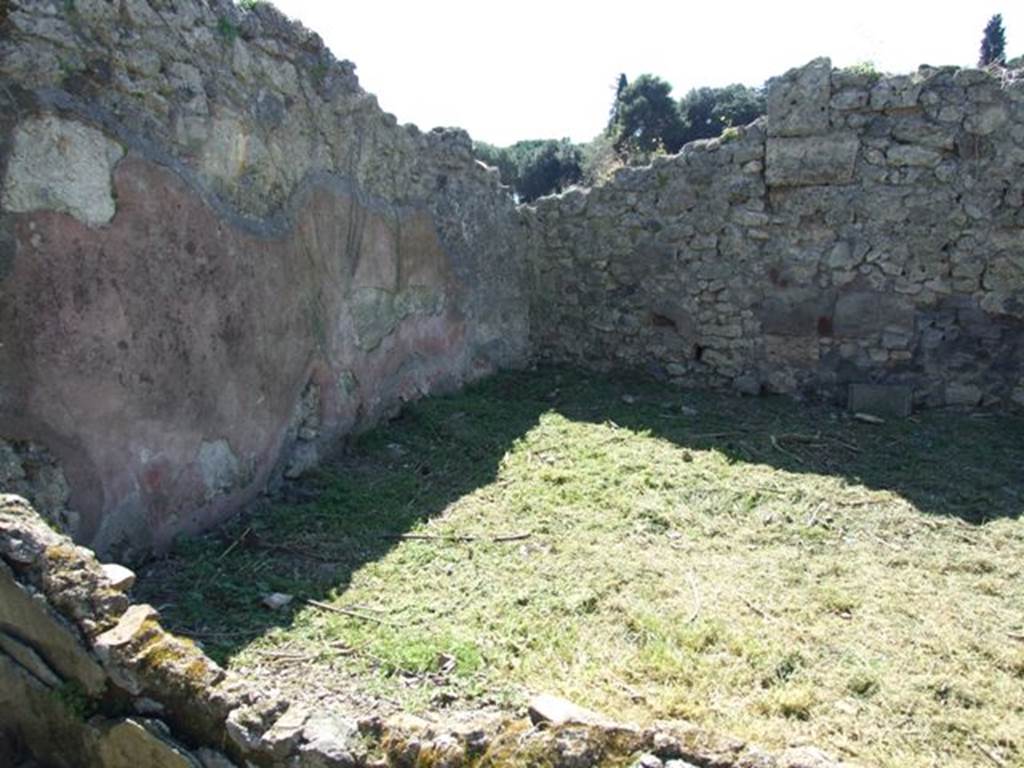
(52, 639)
(909, 154)
(798, 102)
(900, 92)
(885, 400)
(865, 313)
(8, 246)
(42, 722)
(811, 160)
(798, 312)
(129, 743)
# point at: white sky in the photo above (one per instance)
(547, 68)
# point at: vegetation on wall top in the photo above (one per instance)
(644, 121)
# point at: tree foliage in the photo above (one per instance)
(646, 118)
(550, 168)
(502, 158)
(993, 42)
(643, 121)
(600, 160)
(620, 86)
(535, 167)
(709, 111)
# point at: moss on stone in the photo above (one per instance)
(63, 554)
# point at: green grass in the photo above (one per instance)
(866, 68)
(227, 29)
(765, 568)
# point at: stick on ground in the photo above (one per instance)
(234, 544)
(455, 537)
(996, 760)
(780, 449)
(343, 611)
(755, 609)
(696, 598)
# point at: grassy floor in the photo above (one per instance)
(764, 568)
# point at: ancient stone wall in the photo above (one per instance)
(217, 254)
(869, 231)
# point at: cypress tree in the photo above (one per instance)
(993, 43)
(613, 116)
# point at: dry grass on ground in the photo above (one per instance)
(765, 568)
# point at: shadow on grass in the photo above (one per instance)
(355, 508)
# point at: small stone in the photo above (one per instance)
(854, 99)
(747, 385)
(304, 458)
(129, 625)
(332, 741)
(628, 399)
(445, 751)
(807, 757)
(895, 339)
(867, 418)
(911, 155)
(687, 410)
(679, 764)
(285, 735)
(649, 761)
(1018, 396)
(210, 758)
(120, 578)
(148, 707)
(558, 711)
(277, 600)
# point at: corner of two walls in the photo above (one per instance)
(217, 255)
(869, 232)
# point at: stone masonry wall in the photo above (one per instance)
(218, 254)
(869, 231)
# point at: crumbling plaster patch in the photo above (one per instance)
(62, 165)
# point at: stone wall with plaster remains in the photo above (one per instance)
(217, 255)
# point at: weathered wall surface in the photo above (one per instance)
(869, 231)
(217, 254)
